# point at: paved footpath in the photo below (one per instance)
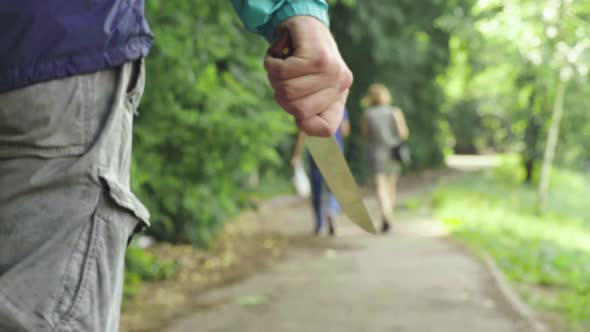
(414, 280)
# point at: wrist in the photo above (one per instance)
(284, 17)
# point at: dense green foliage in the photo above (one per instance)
(207, 120)
(141, 265)
(397, 43)
(547, 256)
(470, 74)
(507, 57)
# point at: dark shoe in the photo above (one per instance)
(331, 230)
(316, 231)
(385, 227)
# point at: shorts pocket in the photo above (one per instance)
(91, 291)
(135, 83)
(125, 199)
(79, 276)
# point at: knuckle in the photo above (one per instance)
(323, 59)
(346, 93)
(348, 78)
(298, 110)
(326, 131)
(332, 129)
(345, 78)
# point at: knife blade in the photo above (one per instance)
(336, 173)
(329, 159)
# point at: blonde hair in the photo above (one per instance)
(377, 95)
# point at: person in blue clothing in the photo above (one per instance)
(71, 78)
(317, 181)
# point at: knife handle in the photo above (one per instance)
(282, 47)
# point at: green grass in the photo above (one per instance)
(140, 266)
(548, 254)
(412, 204)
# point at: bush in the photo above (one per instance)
(206, 122)
(141, 265)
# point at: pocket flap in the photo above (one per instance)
(126, 199)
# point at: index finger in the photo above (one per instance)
(291, 67)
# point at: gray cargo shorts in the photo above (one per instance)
(66, 208)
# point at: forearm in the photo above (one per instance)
(402, 126)
(405, 132)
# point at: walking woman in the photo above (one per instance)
(384, 128)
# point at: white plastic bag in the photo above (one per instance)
(300, 181)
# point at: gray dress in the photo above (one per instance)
(382, 135)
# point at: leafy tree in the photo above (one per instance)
(511, 57)
(399, 44)
(207, 119)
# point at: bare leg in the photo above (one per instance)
(384, 197)
(392, 185)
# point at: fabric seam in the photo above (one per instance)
(90, 260)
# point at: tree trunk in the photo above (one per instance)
(529, 166)
(531, 138)
(551, 145)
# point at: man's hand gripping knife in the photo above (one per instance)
(309, 77)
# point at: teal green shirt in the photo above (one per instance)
(264, 16)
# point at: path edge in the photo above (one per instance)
(508, 292)
(515, 301)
